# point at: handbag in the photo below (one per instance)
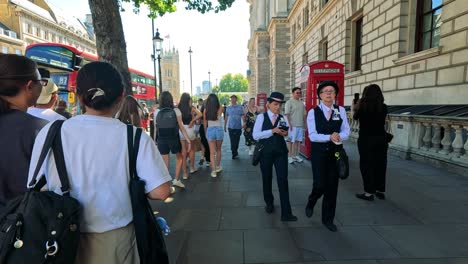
(149, 237)
(342, 162)
(42, 227)
(257, 154)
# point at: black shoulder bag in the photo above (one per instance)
(149, 237)
(42, 227)
(259, 145)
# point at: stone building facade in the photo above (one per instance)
(170, 70)
(36, 21)
(9, 41)
(417, 51)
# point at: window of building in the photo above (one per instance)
(305, 58)
(17, 52)
(428, 24)
(29, 28)
(293, 73)
(46, 35)
(324, 2)
(357, 39)
(5, 49)
(306, 16)
(323, 49)
(293, 32)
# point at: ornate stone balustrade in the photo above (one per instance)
(439, 140)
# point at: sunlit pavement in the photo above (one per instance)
(424, 219)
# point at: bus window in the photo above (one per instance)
(51, 55)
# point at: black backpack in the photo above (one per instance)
(166, 124)
(42, 227)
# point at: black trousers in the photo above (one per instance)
(204, 143)
(325, 180)
(234, 136)
(274, 157)
(373, 162)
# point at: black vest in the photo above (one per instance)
(276, 142)
(324, 126)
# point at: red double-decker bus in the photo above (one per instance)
(64, 61)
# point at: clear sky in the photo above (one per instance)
(218, 41)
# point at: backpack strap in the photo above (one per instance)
(57, 149)
(133, 147)
(53, 129)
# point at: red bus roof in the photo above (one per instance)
(84, 54)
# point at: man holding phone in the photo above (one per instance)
(269, 130)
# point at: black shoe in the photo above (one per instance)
(289, 218)
(365, 197)
(331, 226)
(269, 209)
(235, 156)
(380, 195)
(309, 210)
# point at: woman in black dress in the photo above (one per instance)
(250, 116)
(372, 143)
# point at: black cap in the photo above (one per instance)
(325, 84)
(44, 73)
(276, 97)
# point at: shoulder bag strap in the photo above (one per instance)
(45, 150)
(57, 148)
(133, 146)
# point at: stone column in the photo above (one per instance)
(436, 138)
(427, 136)
(457, 143)
(465, 156)
(447, 140)
(261, 10)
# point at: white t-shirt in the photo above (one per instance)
(96, 156)
(47, 114)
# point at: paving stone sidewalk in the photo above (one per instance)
(424, 219)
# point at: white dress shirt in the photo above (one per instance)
(316, 137)
(258, 133)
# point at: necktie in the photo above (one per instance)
(329, 114)
(273, 120)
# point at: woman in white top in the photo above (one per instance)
(214, 131)
(95, 151)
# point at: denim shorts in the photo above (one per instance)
(214, 133)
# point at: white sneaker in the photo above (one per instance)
(185, 177)
(251, 152)
(290, 160)
(298, 159)
(172, 189)
(213, 174)
(193, 170)
(219, 169)
(178, 183)
(208, 163)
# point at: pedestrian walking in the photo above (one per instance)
(61, 109)
(97, 162)
(295, 111)
(233, 121)
(130, 111)
(190, 115)
(168, 123)
(269, 130)
(250, 115)
(214, 131)
(45, 104)
(371, 111)
(328, 128)
(20, 86)
(205, 148)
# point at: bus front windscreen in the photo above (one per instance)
(53, 56)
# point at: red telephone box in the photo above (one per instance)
(262, 100)
(318, 72)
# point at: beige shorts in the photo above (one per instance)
(113, 247)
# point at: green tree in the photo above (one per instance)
(110, 39)
(232, 84)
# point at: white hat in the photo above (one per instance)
(47, 92)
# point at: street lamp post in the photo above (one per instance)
(209, 80)
(154, 62)
(157, 42)
(190, 55)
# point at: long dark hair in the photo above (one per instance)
(372, 99)
(129, 111)
(14, 66)
(99, 84)
(184, 105)
(165, 100)
(211, 107)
